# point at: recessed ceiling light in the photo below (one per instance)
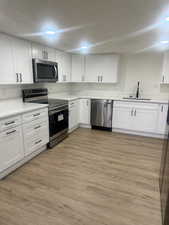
(50, 32)
(164, 42)
(167, 19)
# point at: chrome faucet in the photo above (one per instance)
(138, 90)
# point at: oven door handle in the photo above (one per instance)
(56, 111)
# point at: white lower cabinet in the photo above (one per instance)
(11, 147)
(22, 135)
(140, 117)
(73, 114)
(162, 118)
(85, 108)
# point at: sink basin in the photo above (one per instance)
(139, 99)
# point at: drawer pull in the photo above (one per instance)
(37, 127)
(37, 114)
(37, 142)
(11, 132)
(9, 123)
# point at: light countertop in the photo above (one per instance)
(72, 97)
(17, 106)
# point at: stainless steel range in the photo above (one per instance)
(58, 113)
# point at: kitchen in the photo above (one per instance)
(83, 112)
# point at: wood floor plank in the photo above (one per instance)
(91, 178)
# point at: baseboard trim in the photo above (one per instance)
(82, 125)
(74, 128)
(144, 134)
(11, 169)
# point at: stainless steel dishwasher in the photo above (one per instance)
(101, 114)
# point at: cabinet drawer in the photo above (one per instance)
(35, 115)
(35, 139)
(35, 126)
(10, 123)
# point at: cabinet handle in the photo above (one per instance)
(37, 142)
(21, 77)
(17, 77)
(135, 112)
(37, 114)
(11, 132)
(9, 123)
(37, 127)
(132, 112)
(163, 79)
(162, 108)
(101, 78)
(98, 78)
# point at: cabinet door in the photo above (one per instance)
(38, 51)
(145, 120)
(93, 68)
(73, 114)
(23, 60)
(11, 147)
(122, 117)
(165, 72)
(85, 108)
(7, 74)
(109, 69)
(66, 67)
(162, 118)
(78, 68)
(51, 54)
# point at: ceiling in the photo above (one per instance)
(121, 26)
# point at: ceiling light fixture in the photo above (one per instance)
(165, 42)
(167, 19)
(50, 32)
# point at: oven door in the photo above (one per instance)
(44, 71)
(58, 122)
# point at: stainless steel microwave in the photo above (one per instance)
(44, 71)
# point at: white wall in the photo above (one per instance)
(145, 68)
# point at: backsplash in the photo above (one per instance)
(15, 91)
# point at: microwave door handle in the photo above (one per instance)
(56, 72)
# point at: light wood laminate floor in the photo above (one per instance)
(91, 178)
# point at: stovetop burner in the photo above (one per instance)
(53, 103)
(41, 96)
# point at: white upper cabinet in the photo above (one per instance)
(7, 75)
(43, 52)
(38, 51)
(51, 54)
(78, 68)
(93, 68)
(22, 60)
(102, 68)
(65, 75)
(165, 70)
(16, 61)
